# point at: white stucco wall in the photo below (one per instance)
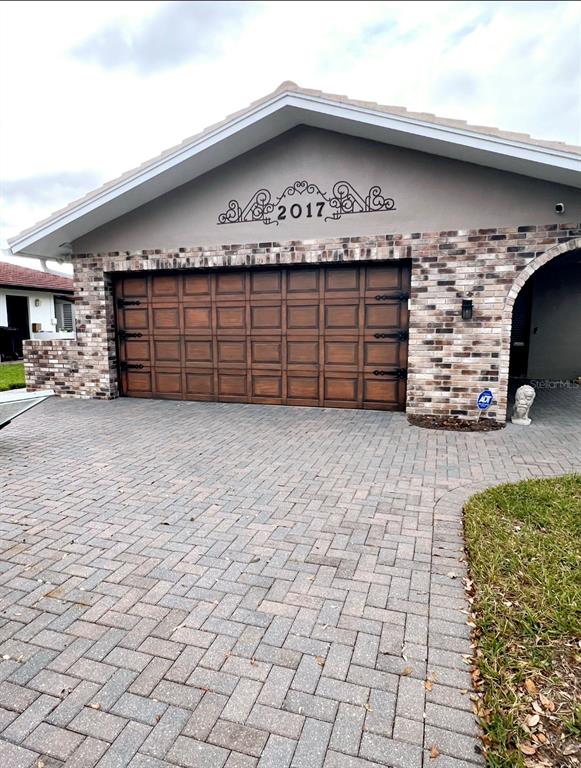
(43, 314)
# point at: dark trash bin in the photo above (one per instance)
(10, 343)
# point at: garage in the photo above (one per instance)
(325, 335)
(267, 260)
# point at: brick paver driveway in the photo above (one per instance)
(188, 584)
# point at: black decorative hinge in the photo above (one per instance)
(399, 335)
(399, 373)
(124, 335)
(130, 366)
(392, 297)
(122, 303)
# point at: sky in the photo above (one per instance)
(91, 89)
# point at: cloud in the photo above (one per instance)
(176, 33)
(51, 188)
(160, 71)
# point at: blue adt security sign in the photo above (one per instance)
(484, 400)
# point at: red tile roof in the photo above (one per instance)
(21, 277)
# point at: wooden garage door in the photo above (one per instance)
(333, 336)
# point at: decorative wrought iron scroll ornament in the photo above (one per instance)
(343, 201)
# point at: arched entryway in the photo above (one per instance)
(542, 322)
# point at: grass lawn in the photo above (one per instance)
(11, 376)
(524, 547)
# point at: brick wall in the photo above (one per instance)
(450, 360)
(66, 367)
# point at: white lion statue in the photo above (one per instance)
(522, 404)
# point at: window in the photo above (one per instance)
(63, 310)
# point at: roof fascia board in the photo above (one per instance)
(440, 132)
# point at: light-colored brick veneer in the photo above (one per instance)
(450, 359)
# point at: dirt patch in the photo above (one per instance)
(453, 423)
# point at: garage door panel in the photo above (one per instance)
(382, 393)
(342, 353)
(344, 280)
(265, 284)
(230, 284)
(165, 286)
(198, 319)
(301, 352)
(342, 317)
(135, 350)
(302, 317)
(134, 287)
(266, 318)
(329, 335)
(266, 352)
(230, 318)
(376, 353)
(167, 383)
(200, 385)
(383, 280)
(198, 351)
(232, 384)
(266, 386)
(196, 287)
(383, 316)
(135, 319)
(165, 319)
(303, 282)
(167, 351)
(231, 352)
(302, 389)
(341, 388)
(137, 383)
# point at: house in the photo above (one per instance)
(317, 250)
(33, 305)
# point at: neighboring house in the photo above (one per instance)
(33, 305)
(316, 250)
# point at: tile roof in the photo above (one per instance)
(21, 277)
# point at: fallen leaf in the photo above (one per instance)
(320, 661)
(407, 670)
(428, 685)
(530, 686)
(533, 720)
(434, 752)
(537, 707)
(527, 749)
(547, 703)
(571, 749)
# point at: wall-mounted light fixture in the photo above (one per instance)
(467, 308)
(37, 302)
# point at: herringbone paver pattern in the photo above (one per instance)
(233, 586)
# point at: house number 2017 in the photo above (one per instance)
(296, 210)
